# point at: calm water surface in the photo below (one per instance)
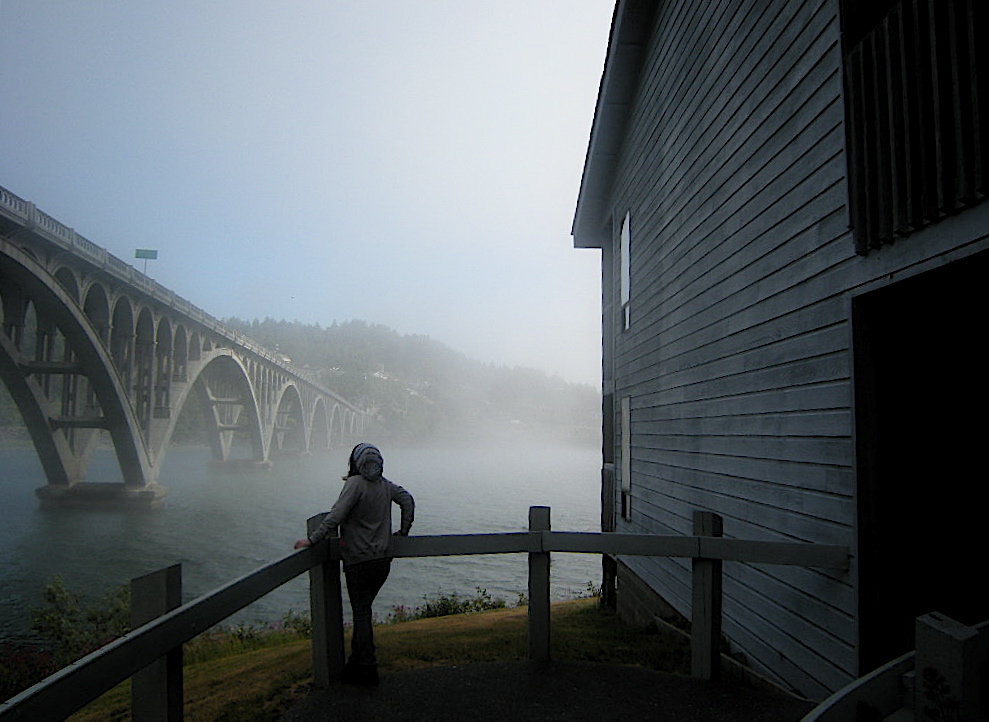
(220, 526)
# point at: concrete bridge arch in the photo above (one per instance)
(43, 381)
(91, 347)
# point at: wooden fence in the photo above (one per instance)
(152, 651)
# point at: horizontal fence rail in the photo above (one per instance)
(831, 556)
(78, 684)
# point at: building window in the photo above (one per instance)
(626, 243)
(916, 76)
(626, 460)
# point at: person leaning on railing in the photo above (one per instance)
(362, 513)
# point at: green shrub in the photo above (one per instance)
(70, 629)
(22, 666)
(74, 629)
(298, 623)
(446, 604)
(227, 640)
(591, 591)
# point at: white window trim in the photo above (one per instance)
(626, 460)
(626, 268)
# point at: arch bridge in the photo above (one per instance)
(93, 349)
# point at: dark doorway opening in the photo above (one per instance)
(921, 408)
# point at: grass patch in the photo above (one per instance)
(582, 631)
(258, 685)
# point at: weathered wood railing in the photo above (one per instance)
(83, 681)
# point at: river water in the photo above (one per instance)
(220, 526)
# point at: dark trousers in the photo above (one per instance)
(364, 580)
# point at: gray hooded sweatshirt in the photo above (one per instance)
(363, 515)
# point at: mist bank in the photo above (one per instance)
(419, 390)
(416, 390)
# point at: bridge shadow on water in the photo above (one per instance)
(503, 691)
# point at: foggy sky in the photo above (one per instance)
(413, 163)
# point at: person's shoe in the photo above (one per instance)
(369, 675)
(365, 675)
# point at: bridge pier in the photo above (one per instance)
(90, 348)
(103, 495)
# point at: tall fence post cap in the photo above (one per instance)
(539, 517)
(708, 523)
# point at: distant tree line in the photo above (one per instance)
(416, 389)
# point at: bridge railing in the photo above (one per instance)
(46, 227)
(71, 688)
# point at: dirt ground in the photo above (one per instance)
(504, 692)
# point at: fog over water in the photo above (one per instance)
(414, 165)
(280, 156)
(220, 526)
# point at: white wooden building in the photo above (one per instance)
(787, 198)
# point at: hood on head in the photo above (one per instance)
(367, 461)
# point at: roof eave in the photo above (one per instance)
(630, 28)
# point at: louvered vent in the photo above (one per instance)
(917, 95)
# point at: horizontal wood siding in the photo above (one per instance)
(737, 360)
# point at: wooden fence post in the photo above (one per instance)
(157, 690)
(326, 611)
(539, 623)
(705, 630)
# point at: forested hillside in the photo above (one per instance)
(417, 389)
